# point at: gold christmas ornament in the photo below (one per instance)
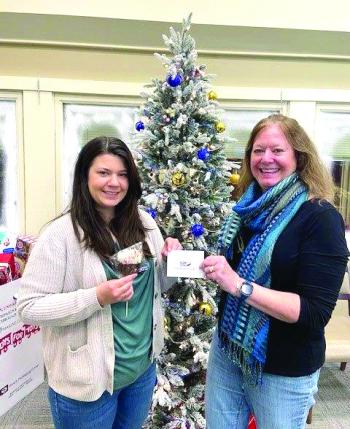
(212, 95)
(178, 178)
(170, 112)
(206, 308)
(234, 178)
(220, 127)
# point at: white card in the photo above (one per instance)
(185, 263)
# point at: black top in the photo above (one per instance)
(309, 258)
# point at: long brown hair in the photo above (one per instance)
(309, 165)
(126, 224)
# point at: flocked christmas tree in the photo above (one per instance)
(186, 189)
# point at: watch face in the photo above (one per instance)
(247, 289)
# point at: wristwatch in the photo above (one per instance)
(245, 289)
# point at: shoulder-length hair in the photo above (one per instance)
(309, 165)
(126, 225)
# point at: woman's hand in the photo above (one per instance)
(169, 245)
(283, 306)
(217, 269)
(116, 290)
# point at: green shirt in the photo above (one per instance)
(132, 327)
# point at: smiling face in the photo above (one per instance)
(272, 158)
(108, 183)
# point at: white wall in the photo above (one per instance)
(301, 14)
(81, 71)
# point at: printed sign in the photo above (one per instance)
(21, 362)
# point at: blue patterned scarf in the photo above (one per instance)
(243, 330)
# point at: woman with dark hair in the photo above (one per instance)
(102, 328)
(282, 260)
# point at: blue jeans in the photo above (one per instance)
(126, 408)
(278, 403)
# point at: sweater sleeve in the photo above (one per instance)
(42, 298)
(157, 241)
(323, 259)
(164, 281)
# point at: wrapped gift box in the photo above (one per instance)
(24, 245)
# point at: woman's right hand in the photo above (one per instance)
(116, 290)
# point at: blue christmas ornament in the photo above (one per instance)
(197, 229)
(152, 212)
(139, 126)
(174, 81)
(203, 154)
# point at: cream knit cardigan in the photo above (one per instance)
(58, 293)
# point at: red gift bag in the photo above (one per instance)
(252, 423)
(8, 258)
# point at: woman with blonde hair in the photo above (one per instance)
(309, 166)
(283, 258)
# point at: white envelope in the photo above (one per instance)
(185, 263)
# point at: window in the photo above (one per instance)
(83, 122)
(333, 142)
(8, 167)
(239, 122)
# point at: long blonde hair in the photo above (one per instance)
(309, 165)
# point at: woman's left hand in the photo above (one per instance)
(217, 269)
(169, 245)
